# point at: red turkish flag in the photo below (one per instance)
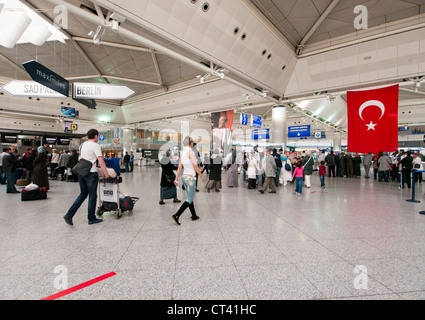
(373, 120)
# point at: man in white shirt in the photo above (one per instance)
(92, 152)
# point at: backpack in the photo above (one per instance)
(126, 204)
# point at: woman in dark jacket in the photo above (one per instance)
(215, 172)
(357, 161)
(29, 166)
(40, 174)
(168, 188)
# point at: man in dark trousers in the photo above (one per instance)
(278, 161)
(406, 169)
(331, 163)
(91, 152)
(127, 162)
(9, 164)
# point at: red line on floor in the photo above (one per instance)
(80, 286)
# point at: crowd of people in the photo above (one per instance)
(264, 171)
(273, 168)
(33, 167)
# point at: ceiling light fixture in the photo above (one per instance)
(98, 36)
(203, 78)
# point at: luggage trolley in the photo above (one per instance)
(109, 196)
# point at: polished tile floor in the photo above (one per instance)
(357, 239)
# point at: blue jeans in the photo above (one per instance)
(277, 176)
(322, 181)
(2, 176)
(299, 185)
(10, 180)
(190, 186)
(88, 187)
(126, 167)
(383, 174)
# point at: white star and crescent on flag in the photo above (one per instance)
(370, 103)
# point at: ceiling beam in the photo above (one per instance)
(113, 44)
(316, 25)
(158, 71)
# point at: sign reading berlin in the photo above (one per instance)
(101, 91)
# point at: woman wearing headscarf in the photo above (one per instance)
(40, 173)
(308, 163)
(232, 172)
(168, 189)
(215, 172)
(253, 167)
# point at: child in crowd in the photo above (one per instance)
(299, 178)
(322, 174)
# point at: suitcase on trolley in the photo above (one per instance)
(111, 198)
(113, 163)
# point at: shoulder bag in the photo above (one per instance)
(83, 166)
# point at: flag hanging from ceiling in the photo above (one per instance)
(373, 120)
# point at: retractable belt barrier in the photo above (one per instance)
(414, 172)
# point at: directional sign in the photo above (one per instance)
(244, 119)
(101, 91)
(260, 134)
(47, 77)
(74, 127)
(299, 132)
(19, 88)
(256, 121)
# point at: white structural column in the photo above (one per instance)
(127, 140)
(337, 142)
(279, 125)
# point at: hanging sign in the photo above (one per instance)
(47, 77)
(101, 91)
(20, 88)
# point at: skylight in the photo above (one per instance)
(20, 24)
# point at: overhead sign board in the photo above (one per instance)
(256, 121)
(20, 88)
(47, 77)
(101, 91)
(260, 134)
(69, 112)
(244, 119)
(320, 135)
(299, 132)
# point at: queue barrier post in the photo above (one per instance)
(413, 187)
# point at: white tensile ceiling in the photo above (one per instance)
(297, 50)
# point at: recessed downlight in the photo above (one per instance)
(205, 7)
